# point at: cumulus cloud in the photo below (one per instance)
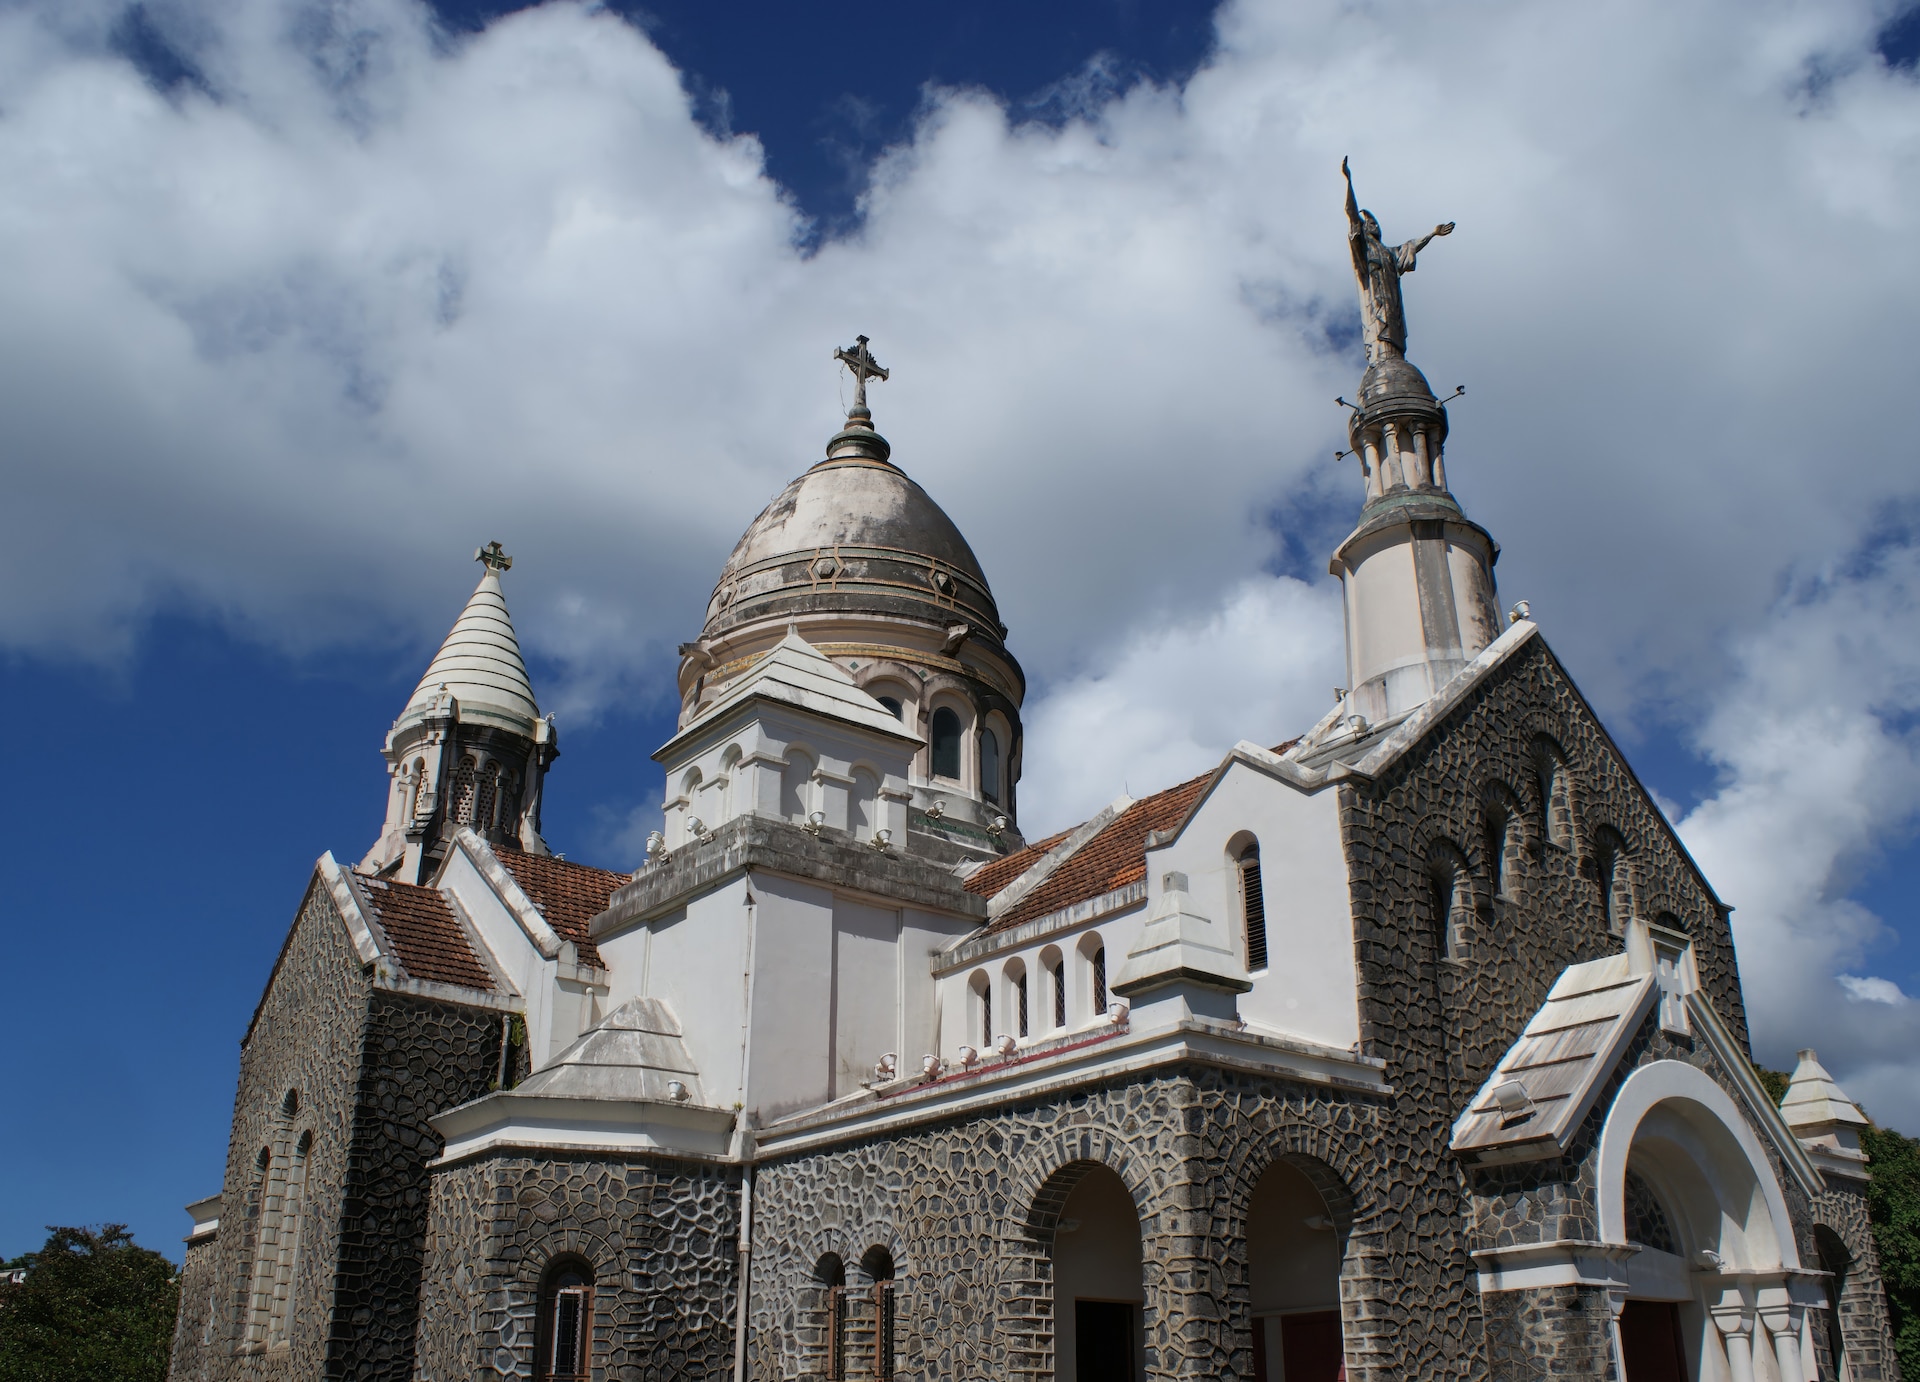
(1173, 698)
(284, 342)
(1818, 739)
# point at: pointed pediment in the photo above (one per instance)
(793, 672)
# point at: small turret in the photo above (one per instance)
(1826, 1122)
(471, 748)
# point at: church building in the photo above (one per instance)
(1412, 1047)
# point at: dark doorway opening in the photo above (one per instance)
(1650, 1344)
(1310, 1347)
(1103, 1334)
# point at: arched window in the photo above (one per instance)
(564, 1340)
(417, 789)
(982, 990)
(1053, 988)
(828, 1343)
(280, 1312)
(892, 703)
(1502, 842)
(251, 1300)
(1017, 986)
(1253, 906)
(1837, 1261)
(1448, 901)
(1100, 980)
(870, 1333)
(990, 765)
(1060, 992)
(463, 785)
(863, 813)
(1556, 804)
(1615, 877)
(946, 742)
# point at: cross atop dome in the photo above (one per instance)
(860, 361)
(494, 557)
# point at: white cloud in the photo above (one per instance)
(286, 351)
(1174, 698)
(1816, 739)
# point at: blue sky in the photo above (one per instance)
(228, 559)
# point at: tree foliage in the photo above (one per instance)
(1893, 1203)
(93, 1308)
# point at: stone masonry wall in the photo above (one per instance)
(1867, 1332)
(967, 1210)
(306, 1037)
(1442, 1023)
(193, 1327)
(661, 1237)
(1550, 1331)
(419, 1058)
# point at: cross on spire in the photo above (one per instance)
(494, 557)
(859, 359)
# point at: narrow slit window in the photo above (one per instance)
(1020, 1004)
(1060, 994)
(1100, 980)
(567, 1329)
(1253, 899)
(990, 766)
(946, 743)
(986, 1016)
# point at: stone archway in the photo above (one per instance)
(1713, 1278)
(1294, 1249)
(1099, 1292)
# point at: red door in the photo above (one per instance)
(1310, 1347)
(1650, 1342)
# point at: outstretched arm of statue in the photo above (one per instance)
(1354, 224)
(1410, 251)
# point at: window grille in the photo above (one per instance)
(1254, 905)
(1020, 1001)
(860, 1333)
(1060, 994)
(986, 1017)
(1100, 980)
(463, 792)
(486, 798)
(836, 1334)
(569, 1331)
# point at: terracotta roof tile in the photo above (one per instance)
(426, 939)
(1112, 859)
(568, 895)
(989, 879)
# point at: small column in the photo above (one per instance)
(1376, 475)
(1733, 1317)
(1422, 463)
(1783, 1320)
(1390, 453)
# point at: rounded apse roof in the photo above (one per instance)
(854, 534)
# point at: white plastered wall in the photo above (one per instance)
(1311, 988)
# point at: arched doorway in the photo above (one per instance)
(1684, 1182)
(1293, 1279)
(1098, 1295)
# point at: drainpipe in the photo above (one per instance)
(743, 1142)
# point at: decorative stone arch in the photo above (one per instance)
(1041, 1188)
(1613, 869)
(1503, 824)
(1449, 898)
(1726, 1136)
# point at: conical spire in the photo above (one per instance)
(479, 663)
(1824, 1119)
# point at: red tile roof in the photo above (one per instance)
(1112, 859)
(568, 895)
(989, 879)
(426, 939)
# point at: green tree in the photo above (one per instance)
(93, 1308)
(1893, 1203)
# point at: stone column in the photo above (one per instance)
(1783, 1320)
(1733, 1317)
(1422, 463)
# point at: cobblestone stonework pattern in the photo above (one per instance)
(661, 1238)
(420, 1059)
(1867, 1332)
(967, 1211)
(306, 1038)
(356, 1070)
(1552, 1331)
(193, 1327)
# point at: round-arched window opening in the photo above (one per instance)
(564, 1340)
(946, 742)
(877, 1264)
(990, 766)
(892, 703)
(290, 1103)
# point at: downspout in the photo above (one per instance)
(743, 1144)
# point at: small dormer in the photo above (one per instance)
(796, 739)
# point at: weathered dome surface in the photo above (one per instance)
(853, 534)
(1393, 377)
